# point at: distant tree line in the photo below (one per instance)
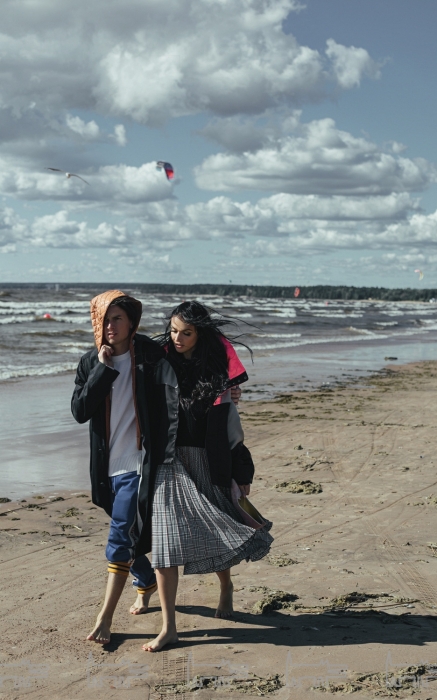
(313, 292)
(236, 290)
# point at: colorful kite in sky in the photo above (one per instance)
(420, 274)
(169, 171)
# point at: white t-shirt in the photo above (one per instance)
(124, 455)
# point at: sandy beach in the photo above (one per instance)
(346, 601)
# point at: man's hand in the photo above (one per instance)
(244, 488)
(105, 355)
(235, 394)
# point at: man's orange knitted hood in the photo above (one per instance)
(99, 306)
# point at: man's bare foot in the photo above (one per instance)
(225, 608)
(101, 632)
(141, 604)
(163, 638)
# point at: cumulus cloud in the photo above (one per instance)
(319, 236)
(116, 187)
(340, 208)
(289, 224)
(12, 230)
(120, 134)
(88, 130)
(317, 159)
(152, 61)
(235, 134)
(145, 260)
(350, 64)
(58, 231)
(275, 227)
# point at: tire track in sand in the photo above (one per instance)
(409, 573)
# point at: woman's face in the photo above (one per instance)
(184, 336)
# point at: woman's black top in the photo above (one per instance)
(193, 416)
(191, 428)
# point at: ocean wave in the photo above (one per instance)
(15, 319)
(363, 331)
(276, 335)
(64, 331)
(46, 305)
(340, 339)
(330, 314)
(412, 311)
(74, 347)
(72, 319)
(38, 319)
(278, 313)
(9, 372)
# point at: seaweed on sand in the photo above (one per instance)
(71, 512)
(299, 486)
(281, 560)
(252, 685)
(273, 600)
(355, 598)
(404, 681)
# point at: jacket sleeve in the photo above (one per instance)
(242, 464)
(243, 468)
(91, 389)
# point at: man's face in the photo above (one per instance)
(117, 326)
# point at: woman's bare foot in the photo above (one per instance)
(101, 632)
(225, 608)
(163, 638)
(141, 604)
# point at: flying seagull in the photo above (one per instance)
(56, 170)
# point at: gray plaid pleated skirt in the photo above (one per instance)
(195, 524)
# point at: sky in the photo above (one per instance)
(301, 133)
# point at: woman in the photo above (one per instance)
(194, 521)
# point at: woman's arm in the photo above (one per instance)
(236, 394)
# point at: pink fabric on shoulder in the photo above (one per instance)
(235, 366)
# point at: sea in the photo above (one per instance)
(297, 344)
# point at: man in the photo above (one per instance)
(115, 389)
(128, 391)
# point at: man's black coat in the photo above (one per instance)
(156, 400)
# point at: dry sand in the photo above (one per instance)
(366, 534)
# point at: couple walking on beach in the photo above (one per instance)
(168, 460)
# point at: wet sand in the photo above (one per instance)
(355, 594)
(42, 446)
